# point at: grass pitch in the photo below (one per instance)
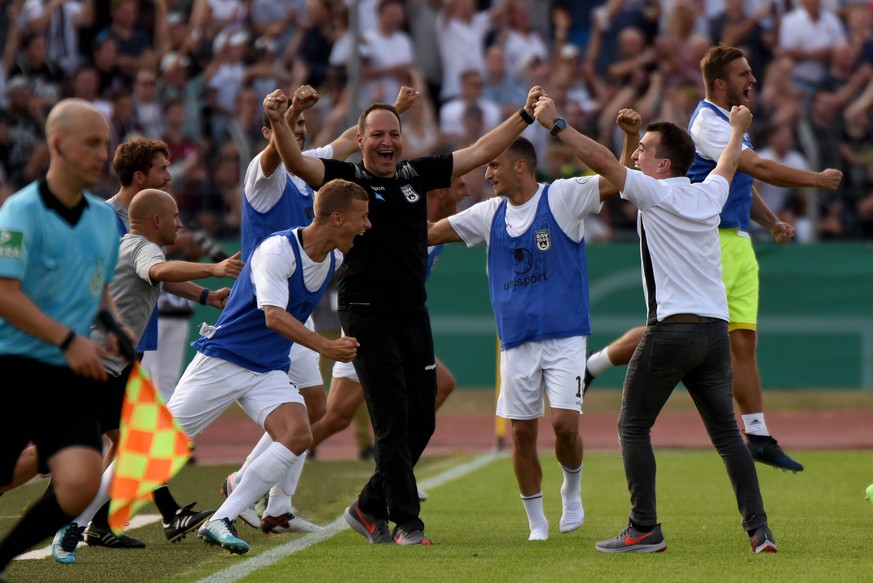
(822, 524)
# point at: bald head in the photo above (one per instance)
(70, 115)
(150, 202)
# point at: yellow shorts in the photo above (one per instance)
(739, 271)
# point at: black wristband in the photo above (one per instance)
(204, 295)
(526, 116)
(68, 339)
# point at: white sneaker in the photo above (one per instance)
(248, 515)
(539, 532)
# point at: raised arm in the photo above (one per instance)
(310, 169)
(496, 141)
(629, 121)
(778, 174)
(594, 155)
(726, 167)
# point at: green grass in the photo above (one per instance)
(820, 519)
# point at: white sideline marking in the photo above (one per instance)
(135, 522)
(276, 554)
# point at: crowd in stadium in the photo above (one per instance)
(194, 73)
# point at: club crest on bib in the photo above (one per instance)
(409, 193)
(543, 239)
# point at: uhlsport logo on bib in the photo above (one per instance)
(409, 193)
(544, 241)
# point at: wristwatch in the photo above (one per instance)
(559, 126)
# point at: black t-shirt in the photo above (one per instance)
(386, 267)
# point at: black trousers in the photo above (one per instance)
(698, 355)
(396, 367)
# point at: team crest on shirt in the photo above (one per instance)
(544, 241)
(409, 193)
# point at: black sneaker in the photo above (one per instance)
(766, 450)
(184, 522)
(762, 540)
(631, 540)
(96, 536)
(375, 530)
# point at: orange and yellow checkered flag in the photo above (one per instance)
(151, 450)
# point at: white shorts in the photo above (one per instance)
(554, 368)
(345, 370)
(210, 385)
(305, 371)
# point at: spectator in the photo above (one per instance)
(276, 20)
(265, 73)
(223, 77)
(462, 33)
(104, 57)
(521, 39)
(147, 111)
(43, 76)
(185, 157)
(28, 154)
(421, 15)
(245, 127)
(808, 35)
(421, 135)
(454, 112)
(176, 83)
(780, 147)
(61, 23)
(311, 47)
(498, 85)
(388, 56)
(135, 49)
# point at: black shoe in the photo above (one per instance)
(367, 454)
(96, 536)
(765, 450)
(762, 540)
(184, 522)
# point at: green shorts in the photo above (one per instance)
(739, 271)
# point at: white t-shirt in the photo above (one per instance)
(711, 133)
(679, 243)
(797, 31)
(263, 192)
(570, 201)
(273, 264)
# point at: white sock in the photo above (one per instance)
(267, 469)
(259, 448)
(754, 424)
(100, 499)
(599, 362)
(572, 512)
(536, 518)
(279, 502)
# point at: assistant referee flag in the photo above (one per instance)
(152, 448)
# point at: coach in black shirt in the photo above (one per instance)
(382, 302)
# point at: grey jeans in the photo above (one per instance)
(698, 355)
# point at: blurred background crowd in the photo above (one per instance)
(194, 73)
